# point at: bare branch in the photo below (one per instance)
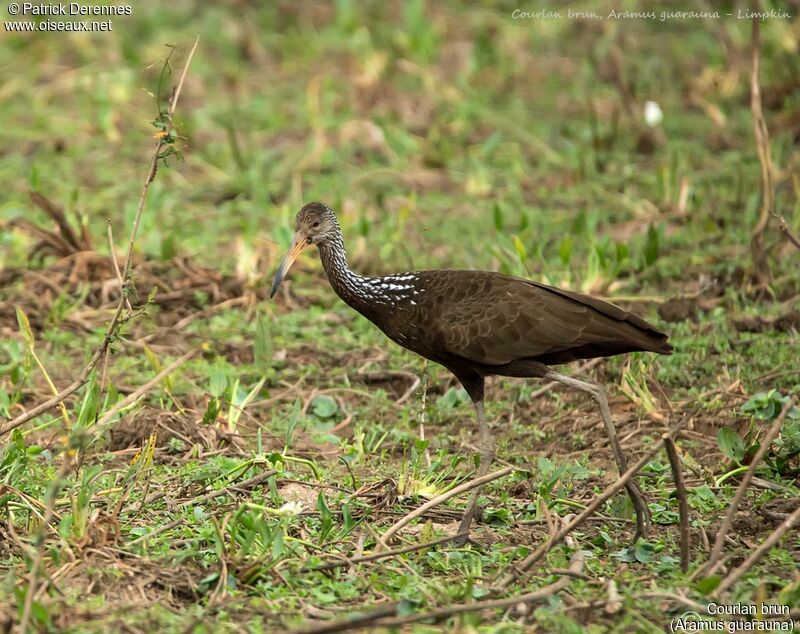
(683, 504)
(760, 264)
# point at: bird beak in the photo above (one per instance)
(298, 244)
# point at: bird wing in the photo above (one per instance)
(495, 319)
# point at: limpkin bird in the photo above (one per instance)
(478, 324)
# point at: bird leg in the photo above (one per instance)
(596, 392)
(486, 451)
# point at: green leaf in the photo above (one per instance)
(454, 397)
(520, 248)
(580, 224)
(651, 246)
(325, 516)
(324, 406)
(731, 444)
(294, 418)
(565, 250)
(707, 585)
(40, 613)
(262, 346)
(498, 517)
(5, 404)
(497, 212)
(25, 328)
(277, 544)
(157, 367)
(644, 553)
(347, 517)
(217, 383)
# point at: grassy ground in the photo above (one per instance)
(444, 137)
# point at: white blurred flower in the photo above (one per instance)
(653, 114)
(291, 508)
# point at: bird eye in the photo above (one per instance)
(315, 225)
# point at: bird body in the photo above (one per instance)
(479, 323)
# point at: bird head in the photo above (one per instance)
(315, 224)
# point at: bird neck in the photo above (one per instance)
(347, 284)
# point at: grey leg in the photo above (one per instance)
(642, 512)
(486, 452)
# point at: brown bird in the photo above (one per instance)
(478, 324)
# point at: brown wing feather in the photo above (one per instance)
(495, 319)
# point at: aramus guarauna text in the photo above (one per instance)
(478, 324)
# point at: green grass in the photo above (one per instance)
(444, 137)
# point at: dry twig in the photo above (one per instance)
(784, 227)
(683, 504)
(98, 354)
(760, 264)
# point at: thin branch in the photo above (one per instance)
(154, 162)
(117, 272)
(760, 264)
(784, 227)
(683, 504)
(772, 434)
(440, 499)
(72, 387)
(351, 561)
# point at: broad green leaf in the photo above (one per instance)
(217, 383)
(731, 444)
(707, 585)
(644, 553)
(497, 212)
(565, 250)
(262, 346)
(651, 246)
(324, 406)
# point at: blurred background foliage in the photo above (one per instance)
(444, 136)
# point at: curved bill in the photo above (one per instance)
(298, 244)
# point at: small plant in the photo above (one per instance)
(763, 407)
(15, 367)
